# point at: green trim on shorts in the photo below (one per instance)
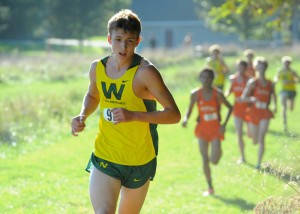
(288, 94)
(130, 176)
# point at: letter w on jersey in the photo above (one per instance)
(112, 89)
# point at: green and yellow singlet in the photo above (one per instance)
(129, 143)
(217, 67)
(287, 80)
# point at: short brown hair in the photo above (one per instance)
(241, 62)
(214, 47)
(261, 60)
(248, 51)
(286, 59)
(126, 20)
(209, 71)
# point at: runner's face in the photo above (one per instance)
(286, 64)
(123, 43)
(260, 67)
(241, 68)
(215, 54)
(250, 57)
(205, 79)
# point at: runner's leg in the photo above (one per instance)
(205, 160)
(284, 108)
(216, 151)
(238, 122)
(292, 102)
(263, 128)
(104, 192)
(132, 200)
(254, 132)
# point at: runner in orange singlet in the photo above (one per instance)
(238, 84)
(208, 99)
(259, 91)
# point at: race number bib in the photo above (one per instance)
(108, 115)
(261, 105)
(209, 117)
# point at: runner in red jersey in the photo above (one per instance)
(238, 84)
(259, 91)
(209, 129)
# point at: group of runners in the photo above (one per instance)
(253, 94)
(126, 87)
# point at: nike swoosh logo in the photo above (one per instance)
(123, 81)
(136, 180)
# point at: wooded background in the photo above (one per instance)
(81, 19)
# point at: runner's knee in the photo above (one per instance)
(103, 210)
(215, 159)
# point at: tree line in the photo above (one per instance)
(252, 19)
(39, 19)
(80, 19)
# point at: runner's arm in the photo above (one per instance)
(274, 96)
(222, 99)
(92, 97)
(193, 100)
(89, 103)
(296, 76)
(229, 91)
(225, 68)
(153, 85)
(246, 95)
(276, 77)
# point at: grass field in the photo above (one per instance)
(42, 165)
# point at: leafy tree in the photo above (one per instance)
(251, 19)
(4, 17)
(81, 18)
(39, 19)
(20, 18)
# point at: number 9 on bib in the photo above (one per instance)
(108, 115)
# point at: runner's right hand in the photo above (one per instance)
(77, 124)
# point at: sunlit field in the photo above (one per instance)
(43, 167)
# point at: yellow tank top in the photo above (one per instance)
(218, 71)
(128, 143)
(286, 78)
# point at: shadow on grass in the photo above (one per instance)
(279, 174)
(284, 133)
(250, 165)
(238, 202)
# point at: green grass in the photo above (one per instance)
(45, 173)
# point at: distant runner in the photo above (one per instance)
(288, 79)
(238, 84)
(259, 91)
(209, 130)
(217, 63)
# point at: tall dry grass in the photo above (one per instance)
(33, 98)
